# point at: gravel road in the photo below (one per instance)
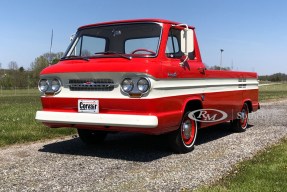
(134, 162)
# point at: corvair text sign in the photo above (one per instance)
(88, 106)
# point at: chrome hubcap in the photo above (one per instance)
(186, 128)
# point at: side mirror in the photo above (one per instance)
(187, 44)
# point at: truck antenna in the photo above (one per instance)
(50, 57)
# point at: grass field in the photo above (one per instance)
(19, 92)
(17, 120)
(272, 92)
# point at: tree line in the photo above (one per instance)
(216, 67)
(274, 77)
(20, 77)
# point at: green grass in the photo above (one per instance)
(265, 172)
(273, 92)
(19, 92)
(18, 124)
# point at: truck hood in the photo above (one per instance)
(149, 66)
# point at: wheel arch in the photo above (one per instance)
(192, 104)
(249, 104)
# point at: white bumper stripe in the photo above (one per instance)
(139, 121)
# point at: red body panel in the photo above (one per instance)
(149, 66)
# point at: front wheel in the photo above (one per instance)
(91, 137)
(241, 123)
(182, 140)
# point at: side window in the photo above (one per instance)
(173, 44)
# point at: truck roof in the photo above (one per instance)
(132, 21)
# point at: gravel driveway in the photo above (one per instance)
(135, 162)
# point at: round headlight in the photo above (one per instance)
(143, 85)
(55, 85)
(127, 85)
(43, 85)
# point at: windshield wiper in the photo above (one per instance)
(115, 53)
(74, 57)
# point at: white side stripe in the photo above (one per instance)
(159, 87)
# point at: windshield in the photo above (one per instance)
(135, 40)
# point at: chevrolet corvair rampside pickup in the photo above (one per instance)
(142, 76)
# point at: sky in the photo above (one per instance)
(252, 33)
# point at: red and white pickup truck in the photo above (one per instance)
(142, 76)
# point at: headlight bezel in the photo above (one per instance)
(51, 86)
(141, 86)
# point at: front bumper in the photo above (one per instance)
(116, 120)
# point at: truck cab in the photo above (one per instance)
(142, 76)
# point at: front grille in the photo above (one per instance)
(91, 84)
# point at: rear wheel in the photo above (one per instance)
(182, 140)
(92, 137)
(241, 123)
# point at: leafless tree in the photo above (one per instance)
(12, 65)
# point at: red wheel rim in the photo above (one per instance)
(188, 130)
(244, 117)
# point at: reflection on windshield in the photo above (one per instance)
(136, 40)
